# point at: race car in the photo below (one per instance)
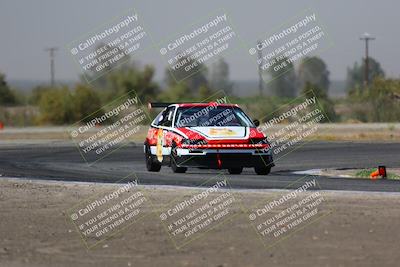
(207, 136)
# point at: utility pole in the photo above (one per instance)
(260, 80)
(366, 37)
(51, 51)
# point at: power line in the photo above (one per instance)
(51, 51)
(366, 37)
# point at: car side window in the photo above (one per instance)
(158, 119)
(167, 115)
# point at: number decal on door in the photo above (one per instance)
(160, 144)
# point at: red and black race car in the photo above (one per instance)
(206, 135)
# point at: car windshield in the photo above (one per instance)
(211, 116)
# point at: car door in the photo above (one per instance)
(165, 128)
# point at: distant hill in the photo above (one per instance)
(241, 88)
(28, 85)
(250, 87)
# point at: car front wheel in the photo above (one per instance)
(151, 165)
(235, 170)
(174, 166)
(262, 170)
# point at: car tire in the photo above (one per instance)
(235, 170)
(151, 165)
(174, 167)
(262, 170)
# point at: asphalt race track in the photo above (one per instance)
(64, 162)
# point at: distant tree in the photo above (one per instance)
(56, 107)
(103, 65)
(282, 79)
(36, 94)
(85, 102)
(194, 78)
(378, 103)
(134, 80)
(121, 77)
(219, 76)
(205, 92)
(310, 90)
(126, 76)
(314, 71)
(179, 91)
(63, 106)
(7, 97)
(355, 75)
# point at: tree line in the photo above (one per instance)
(65, 105)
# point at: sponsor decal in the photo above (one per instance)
(221, 132)
(160, 144)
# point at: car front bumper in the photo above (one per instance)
(224, 158)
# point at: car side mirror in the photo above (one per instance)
(256, 122)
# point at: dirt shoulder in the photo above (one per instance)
(325, 132)
(361, 230)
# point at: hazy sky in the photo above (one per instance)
(27, 27)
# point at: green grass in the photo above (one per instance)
(366, 172)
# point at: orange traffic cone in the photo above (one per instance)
(374, 175)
